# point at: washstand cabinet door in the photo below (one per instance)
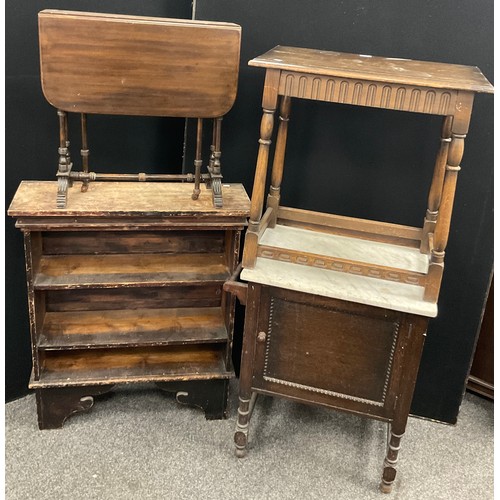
(327, 351)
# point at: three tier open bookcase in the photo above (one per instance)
(337, 307)
(125, 286)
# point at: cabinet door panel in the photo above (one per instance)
(312, 345)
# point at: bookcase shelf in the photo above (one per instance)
(113, 301)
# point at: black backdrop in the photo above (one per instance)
(357, 162)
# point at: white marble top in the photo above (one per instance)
(344, 247)
(343, 286)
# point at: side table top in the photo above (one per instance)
(376, 69)
(38, 198)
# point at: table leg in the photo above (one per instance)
(273, 198)
(246, 396)
(269, 101)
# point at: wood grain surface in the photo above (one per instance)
(139, 327)
(121, 199)
(134, 364)
(127, 65)
(376, 69)
(73, 271)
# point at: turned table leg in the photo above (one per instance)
(273, 199)
(390, 461)
(246, 396)
(269, 101)
(245, 410)
(415, 332)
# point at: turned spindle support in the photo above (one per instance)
(442, 229)
(269, 102)
(215, 172)
(84, 152)
(198, 161)
(211, 159)
(437, 185)
(273, 198)
(64, 167)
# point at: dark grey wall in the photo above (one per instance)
(117, 144)
(378, 165)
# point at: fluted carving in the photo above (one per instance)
(365, 93)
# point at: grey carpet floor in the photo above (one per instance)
(139, 443)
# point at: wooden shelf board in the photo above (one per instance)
(140, 364)
(77, 271)
(138, 327)
(344, 247)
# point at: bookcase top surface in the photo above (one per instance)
(376, 69)
(38, 198)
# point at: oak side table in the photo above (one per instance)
(337, 307)
(125, 286)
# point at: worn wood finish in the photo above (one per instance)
(55, 405)
(139, 327)
(129, 199)
(114, 365)
(130, 292)
(127, 65)
(373, 68)
(96, 271)
(130, 298)
(32, 249)
(132, 242)
(234, 286)
(323, 325)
